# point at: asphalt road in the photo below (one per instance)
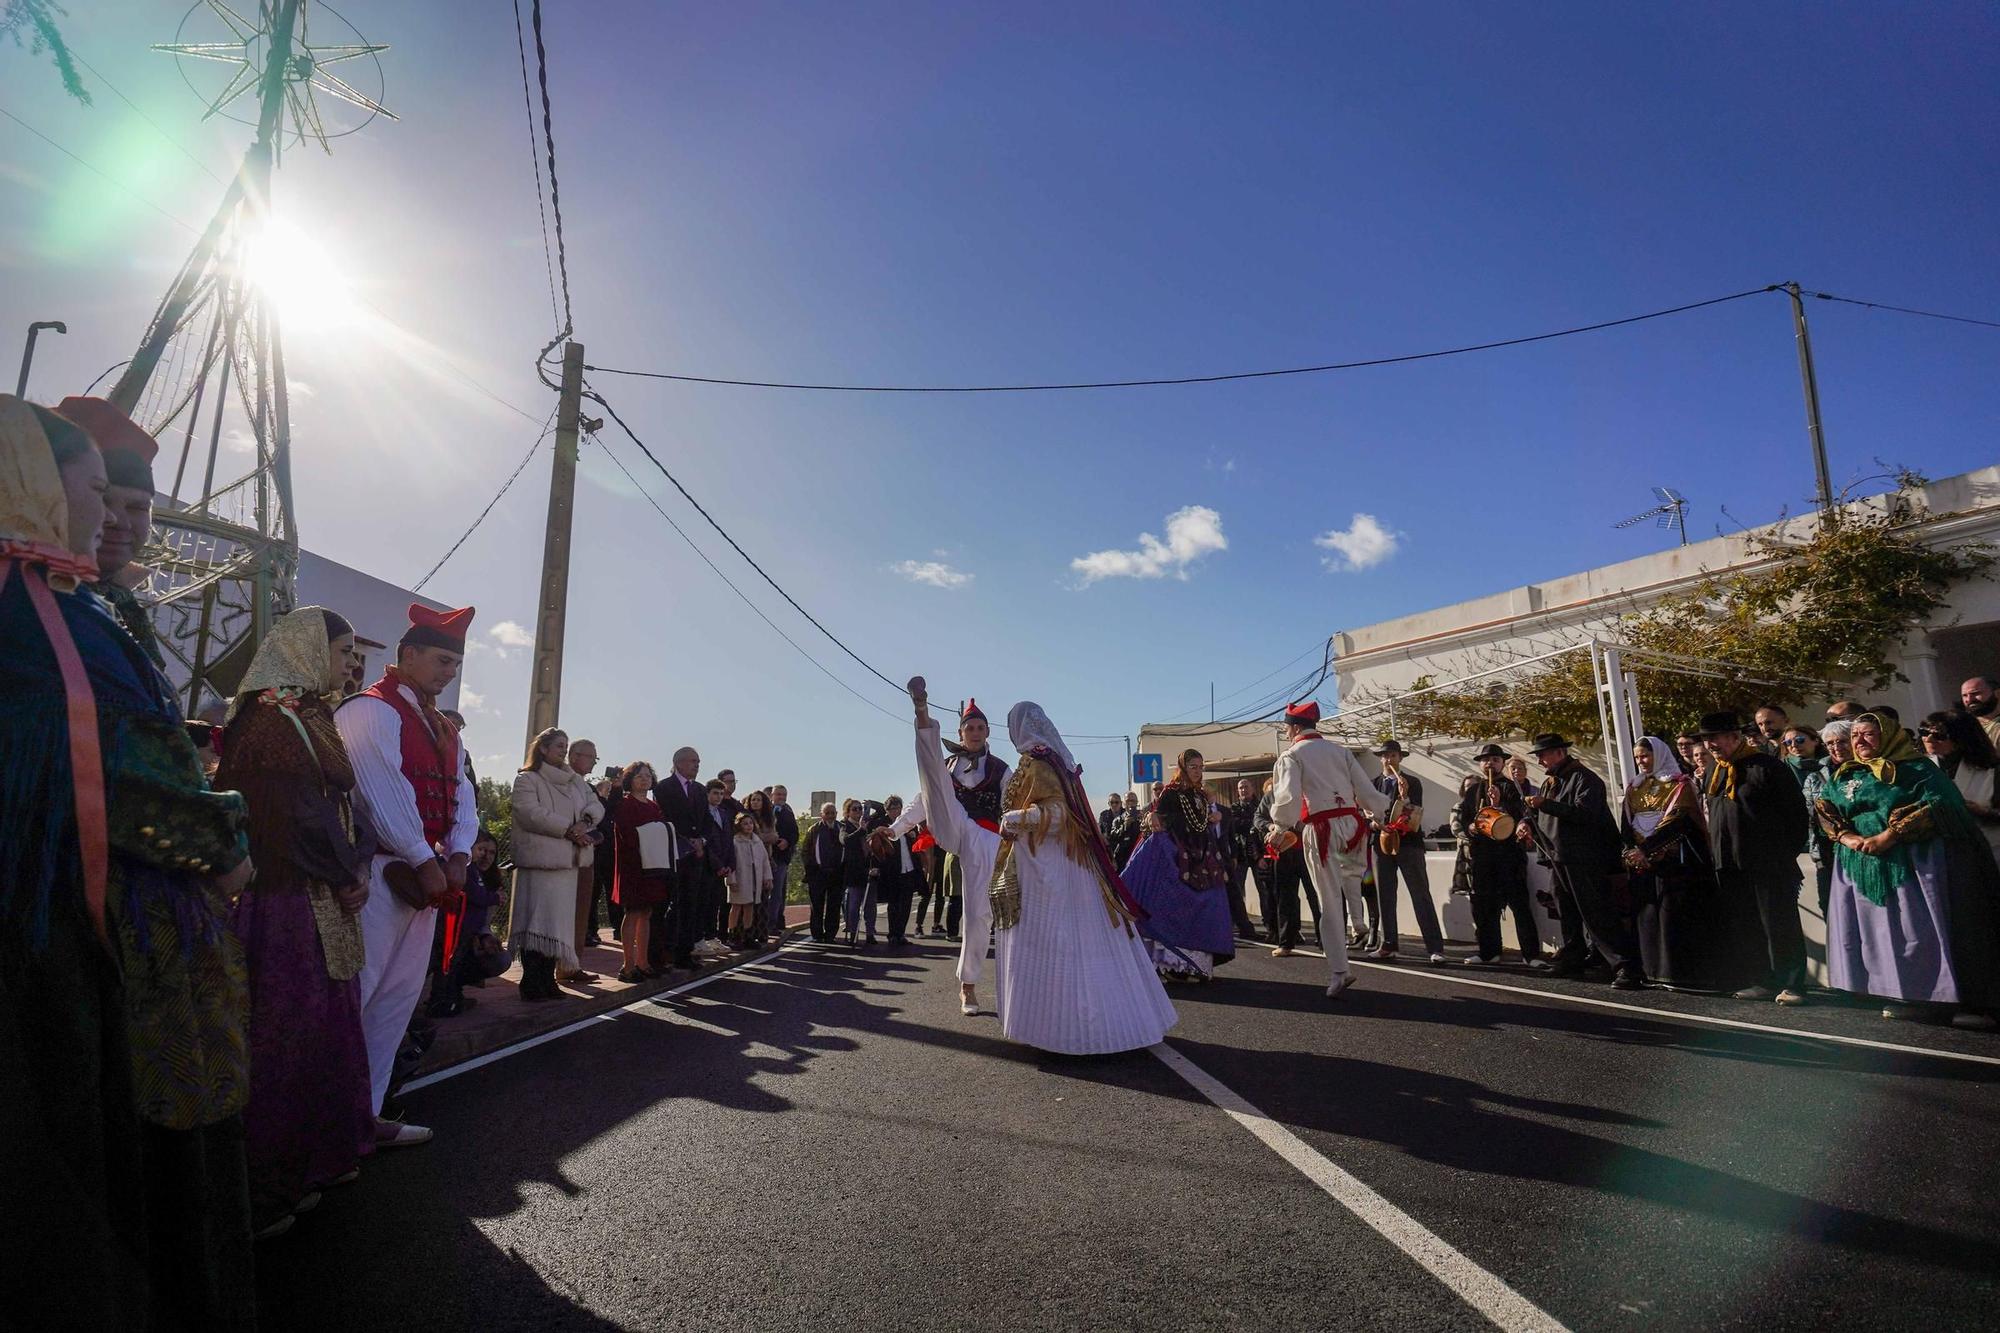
(821, 1141)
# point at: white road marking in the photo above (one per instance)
(1451, 978)
(1467, 1280)
(608, 1016)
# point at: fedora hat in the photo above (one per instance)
(1715, 724)
(1491, 751)
(1548, 740)
(1391, 746)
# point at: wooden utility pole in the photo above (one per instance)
(545, 685)
(1811, 383)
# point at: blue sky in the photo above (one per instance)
(962, 193)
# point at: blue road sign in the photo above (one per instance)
(1149, 768)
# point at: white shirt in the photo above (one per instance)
(967, 771)
(372, 731)
(1317, 772)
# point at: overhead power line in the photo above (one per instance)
(505, 486)
(555, 195)
(535, 162)
(1904, 310)
(1189, 379)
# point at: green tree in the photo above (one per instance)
(1830, 605)
(37, 18)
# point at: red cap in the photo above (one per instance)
(128, 450)
(438, 629)
(971, 711)
(1304, 714)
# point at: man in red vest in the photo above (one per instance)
(413, 788)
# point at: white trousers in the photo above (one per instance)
(1331, 884)
(977, 923)
(398, 944)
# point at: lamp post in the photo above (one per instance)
(28, 352)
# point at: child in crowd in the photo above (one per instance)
(750, 880)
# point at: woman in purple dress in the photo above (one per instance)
(308, 1121)
(1180, 876)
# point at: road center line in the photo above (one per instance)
(610, 1015)
(1467, 1280)
(1454, 979)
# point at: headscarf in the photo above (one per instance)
(1666, 770)
(34, 511)
(1666, 764)
(293, 656)
(1028, 726)
(1897, 747)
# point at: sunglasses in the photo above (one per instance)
(1796, 742)
(1935, 735)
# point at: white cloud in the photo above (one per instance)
(300, 389)
(1192, 533)
(1364, 544)
(934, 572)
(471, 700)
(510, 634)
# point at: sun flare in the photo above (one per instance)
(301, 279)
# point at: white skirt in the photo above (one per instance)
(542, 915)
(1069, 980)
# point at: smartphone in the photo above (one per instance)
(612, 770)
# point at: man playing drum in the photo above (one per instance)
(1490, 807)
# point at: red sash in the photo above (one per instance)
(1323, 821)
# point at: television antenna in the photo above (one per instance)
(209, 374)
(1671, 511)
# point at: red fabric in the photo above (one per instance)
(924, 840)
(990, 825)
(1306, 714)
(631, 886)
(86, 759)
(1323, 821)
(970, 711)
(113, 431)
(430, 760)
(456, 624)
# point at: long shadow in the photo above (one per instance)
(1465, 1126)
(1485, 1011)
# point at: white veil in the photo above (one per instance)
(1666, 764)
(1028, 726)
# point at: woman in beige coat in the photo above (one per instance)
(554, 813)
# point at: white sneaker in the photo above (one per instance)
(406, 1136)
(1343, 984)
(1438, 958)
(968, 1004)
(1540, 965)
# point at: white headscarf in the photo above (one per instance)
(1028, 726)
(1666, 764)
(293, 654)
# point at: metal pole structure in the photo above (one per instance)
(1811, 383)
(545, 685)
(1638, 720)
(1128, 763)
(1611, 768)
(1621, 717)
(28, 352)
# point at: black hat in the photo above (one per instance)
(1391, 746)
(1491, 751)
(1714, 724)
(1548, 740)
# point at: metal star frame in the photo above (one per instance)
(306, 72)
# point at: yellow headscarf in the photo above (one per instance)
(292, 656)
(34, 512)
(1896, 746)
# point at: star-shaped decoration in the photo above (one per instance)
(306, 71)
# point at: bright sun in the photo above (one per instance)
(301, 279)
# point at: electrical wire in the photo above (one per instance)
(535, 162)
(533, 449)
(555, 197)
(1902, 309)
(824, 670)
(1187, 379)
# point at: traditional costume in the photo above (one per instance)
(1320, 792)
(1071, 972)
(976, 780)
(1687, 933)
(121, 986)
(1496, 866)
(128, 461)
(309, 1120)
(1915, 920)
(417, 796)
(1181, 879)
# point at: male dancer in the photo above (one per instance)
(410, 781)
(961, 803)
(128, 505)
(1319, 794)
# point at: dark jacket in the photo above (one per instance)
(1107, 822)
(1575, 820)
(825, 854)
(687, 813)
(853, 852)
(1472, 796)
(787, 825)
(1239, 825)
(1761, 827)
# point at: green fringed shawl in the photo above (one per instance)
(1869, 803)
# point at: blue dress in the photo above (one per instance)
(1179, 876)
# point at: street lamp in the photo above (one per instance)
(28, 352)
